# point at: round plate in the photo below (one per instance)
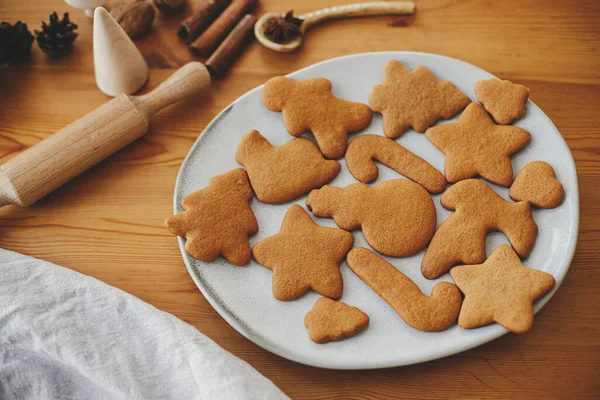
(243, 295)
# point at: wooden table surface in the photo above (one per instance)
(108, 223)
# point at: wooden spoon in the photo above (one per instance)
(311, 19)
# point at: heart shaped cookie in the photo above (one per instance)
(537, 184)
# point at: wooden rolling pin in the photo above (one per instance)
(44, 167)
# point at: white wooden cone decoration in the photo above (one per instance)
(87, 5)
(118, 64)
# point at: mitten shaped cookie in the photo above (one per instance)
(501, 290)
(414, 98)
(218, 219)
(478, 210)
(474, 145)
(304, 256)
(397, 217)
(309, 105)
(280, 174)
(426, 313)
(504, 100)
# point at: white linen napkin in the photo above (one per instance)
(64, 335)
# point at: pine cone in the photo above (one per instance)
(15, 43)
(56, 39)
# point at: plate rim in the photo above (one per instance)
(282, 351)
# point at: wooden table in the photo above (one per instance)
(108, 223)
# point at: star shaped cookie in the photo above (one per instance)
(304, 256)
(414, 98)
(500, 290)
(474, 145)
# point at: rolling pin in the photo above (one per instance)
(50, 163)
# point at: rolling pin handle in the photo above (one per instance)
(191, 79)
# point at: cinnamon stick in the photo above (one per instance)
(227, 52)
(200, 19)
(208, 41)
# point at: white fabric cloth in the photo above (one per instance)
(64, 335)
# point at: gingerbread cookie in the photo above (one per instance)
(500, 290)
(309, 105)
(280, 174)
(426, 313)
(414, 98)
(397, 217)
(474, 145)
(304, 256)
(364, 149)
(218, 219)
(478, 210)
(331, 320)
(537, 184)
(504, 100)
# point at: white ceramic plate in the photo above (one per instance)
(243, 295)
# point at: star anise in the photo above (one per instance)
(283, 30)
